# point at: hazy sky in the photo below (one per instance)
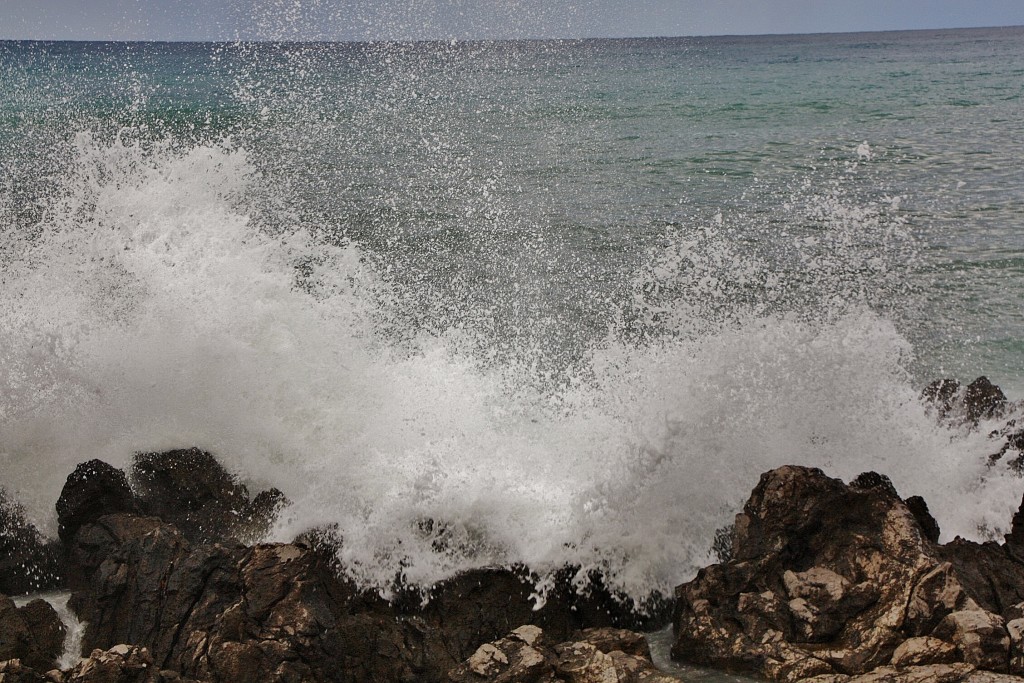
(404, 19)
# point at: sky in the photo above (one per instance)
(479, 19)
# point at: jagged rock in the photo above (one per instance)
(980, 636)
(983, 400)
(33, 634)
(93, 490)
(935, 673)
(28, 563)
(526, 655)
(281, 612)
(95, 541)
(991, 574)
(120, 664)
(923, 651)
(834, 580)
(190, 489)
(980, 400)
(919, 508)
(942, 394)
(13, 671)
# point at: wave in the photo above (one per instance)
(150, 308)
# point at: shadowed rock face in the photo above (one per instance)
(28, 563)
(227, 612)
(191, 490)
(33, 633)
(94, 489)
(832, 579)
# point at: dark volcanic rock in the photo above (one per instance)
(980, 400)
(28, 563)
(33, 633)
(919, 508)
(283, 612)
(983, 400)
(94, 489)
(191, 490)
(942, 394)
(96, 541)
(833, 580)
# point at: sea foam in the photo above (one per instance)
(149, 309)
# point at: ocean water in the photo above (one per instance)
(567, 299)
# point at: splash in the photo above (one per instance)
(149, 309)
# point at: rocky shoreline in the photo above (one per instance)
(820, 580)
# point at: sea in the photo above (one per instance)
(514, 302)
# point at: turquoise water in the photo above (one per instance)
(570, 297)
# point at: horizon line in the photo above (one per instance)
(299, 41)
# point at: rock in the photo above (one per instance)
(1015, 629)
(33, 634)
(593, 656)
(980, 636)
(1015, 539)
(225, 612)
(120, 664)
(923, 651)
(609, 640)
(919, 508)
(942, 395)
(834, 580)
(935, 673)
(93, 490)
(13, 671)
(983, 400)
(991, 574)
(980, 400)
(95, 541)
(191, 490)
(28, 563)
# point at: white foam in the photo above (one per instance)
(152, 313)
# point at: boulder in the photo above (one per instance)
(32, 634)
(28, 562)
(941, 395)
(14, 671)
(828, 579)
(191, 489)
(983, 400)
(980, 400)
(93, 490)
(527, 655)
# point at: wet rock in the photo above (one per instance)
(28, 562)
(942, 395)
(33, 634)
(980, 400)
(834, 580)
(526, 655)
(191, 489)
(281, 612)
(95, 541)
(93, 490)
(983, 400)
(919, 508)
